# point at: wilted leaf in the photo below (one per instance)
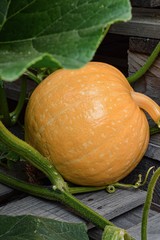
(55, 33)
(33, 228)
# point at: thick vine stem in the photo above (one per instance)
(62, 196)
(33, 156)
(147, 203)
(146, 103)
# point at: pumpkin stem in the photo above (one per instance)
(147, 104)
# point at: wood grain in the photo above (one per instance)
(108, 205)
(4, 190)
(142, 45)
(126, 221)
(145, 22)
(153, 229)
(145, 3)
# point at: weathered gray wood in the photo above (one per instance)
(153, 229)
(144, 23)
(125, 221)
(108, 205)
(137, 60)
(142, 45)
(153, 150)
(6, 194)
(4, 190)
(145, 3)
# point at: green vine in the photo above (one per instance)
(15, 114)
(147, 204)
(146, 66)
(9, 119)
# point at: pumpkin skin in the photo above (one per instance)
(87, 123)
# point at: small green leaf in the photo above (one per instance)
(115, 233)
(29, 227)
(54, 34)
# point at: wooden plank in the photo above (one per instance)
(108, 205)
(153, 150)
(142, 45)
(145, 3)
(125, 221)
(4, 190)
(6, 194)
(153, 229)
(137, 60)
(144, 23)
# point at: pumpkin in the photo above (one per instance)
(88, 123)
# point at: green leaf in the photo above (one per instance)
(115, 233)
(32, 228)
(3, 11)
(54, 34)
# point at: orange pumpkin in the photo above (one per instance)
(89, 124)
